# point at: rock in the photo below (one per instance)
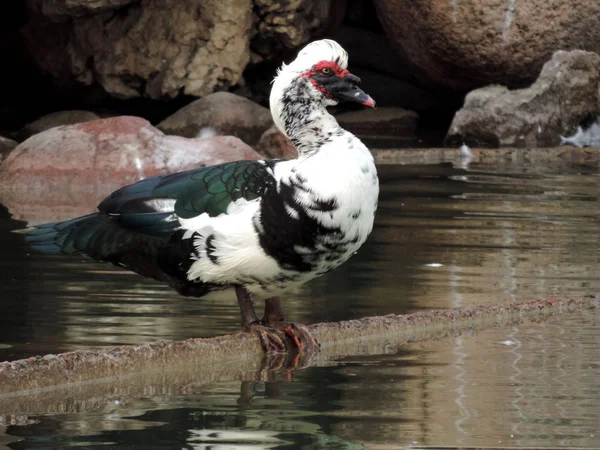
(396, 122)
(469, 44)
(56, 119)
(286, 24)
(156, 48)
(6, 146)
(160, 49)
(274, 144)
(565, 94)
(218, 114)
(68, 170)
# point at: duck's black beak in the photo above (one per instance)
(343, 88)
(346, 89)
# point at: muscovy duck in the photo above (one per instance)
(260, 227)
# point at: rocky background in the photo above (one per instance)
(150, 76)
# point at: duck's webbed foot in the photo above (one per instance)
(299, 337)
(276, 335)
(271, 339)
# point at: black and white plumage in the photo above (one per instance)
(262, 227)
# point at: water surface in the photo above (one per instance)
(444, 237)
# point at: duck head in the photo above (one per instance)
(317, 78)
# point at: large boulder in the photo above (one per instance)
(160, 49)
(468, 44)
(565, 94)
(221, 113)
(156, 48)
(68, 170)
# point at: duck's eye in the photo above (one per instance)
(326, 71)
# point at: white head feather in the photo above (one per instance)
(317, 51)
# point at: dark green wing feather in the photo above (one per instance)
(207, 190)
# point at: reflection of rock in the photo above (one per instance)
(221, 113)
(6, 146)
(155, 48)
(565, 94)
(66, 171)
(273, 144)
(57, 119)
(395, 122)
(468, 44)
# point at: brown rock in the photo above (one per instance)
(6, 146)
(396, 122)
(468, 44)
(56, 119)
(285, 24)
(221, 113)
(564, 95)
(274, 144)
(156, 48)
(66, 171)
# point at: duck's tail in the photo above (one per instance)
(71, 236)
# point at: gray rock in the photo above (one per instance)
(219, 114)
(57, 119)
(565, 94)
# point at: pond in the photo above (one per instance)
(445, 236)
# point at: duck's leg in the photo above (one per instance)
(301, 338)
(272, 339)
(273, 311)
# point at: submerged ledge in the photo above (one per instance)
(77, 381)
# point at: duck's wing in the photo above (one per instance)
(147, 213)
(155, 205)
